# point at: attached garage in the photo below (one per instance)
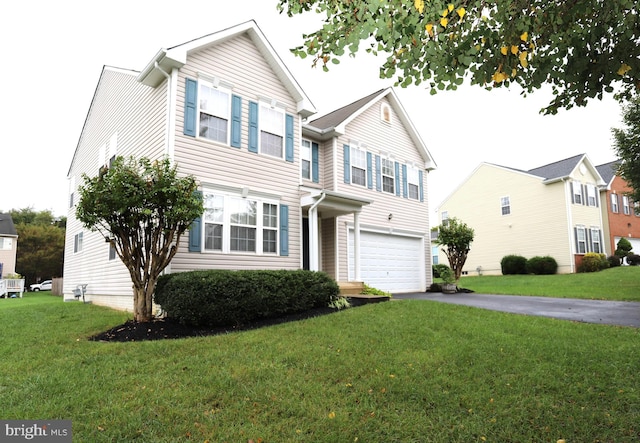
(635, 244)
(390, 262)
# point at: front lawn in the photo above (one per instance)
(621, 283)
(399, 371)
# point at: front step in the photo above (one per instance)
(349, 288)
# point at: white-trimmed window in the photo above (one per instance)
(305, 159)
(77, 242)
(505, 205)
(444, 218)
(595, 240)
(214, 105)
(614, 203)
(413, 182)
(581, 240)
(272, 130)
(388, 177)
(626, 208)
(234, 224)
(358, 166)
(577, 193)
(385, 112)
(72, 191)
(112, 252)
(591, 195)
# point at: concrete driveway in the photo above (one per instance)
(589, 311)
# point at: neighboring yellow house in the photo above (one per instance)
(552, 210)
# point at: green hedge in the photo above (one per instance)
(593, 262)
(228, 298)
(542, 265)
(513, 265)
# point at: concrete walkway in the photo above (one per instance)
(589, 311)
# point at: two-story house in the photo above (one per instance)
(551, 210)
(344, 193)
(619, 215)
(8, 245)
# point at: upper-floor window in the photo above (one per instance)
(591, 195)
(388, 177)
(385, 113)
(614, 203)
(413, 180)
(505, 205)
(626, 209)
(358, 166)
(78, 241)
(581, 240)
(577, 192)
(444, 218)
(214, 105)
(305, 159)
(271, 130)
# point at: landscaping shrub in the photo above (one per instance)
(614, 261)
(513, 264)
(633, 259)
(437, 269)
(542, 265)
(227, 298)
(593, 262)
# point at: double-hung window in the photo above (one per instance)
(243, 224)
(581, 240)
(271, 130)
(388, 177)
(591, 195)
(505, 205)
(577, 193)
(595, 240)
(413, 181)
(626, 208)
(305, 157)
(358, 167)
(614, 203)
(77, 242)
(214, 108)
(269, 228)
(213, 222)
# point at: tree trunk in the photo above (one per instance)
(142, 305)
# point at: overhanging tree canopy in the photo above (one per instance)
(627, 147)
(142, 208)
(582, 48)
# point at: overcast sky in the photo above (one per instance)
(54, 52)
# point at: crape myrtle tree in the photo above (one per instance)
(142, 208)
(582, 48)
(455, 237)
(626, 144)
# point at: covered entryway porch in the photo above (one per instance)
(328, 205)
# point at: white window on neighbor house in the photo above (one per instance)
(581, 240)
(112, 252)
(434, 255)
(505, 205)
(413, 181)
(77, 242)
(591, 195)
(388, 175)
(214, 105)
(358, 166)
(577, 192)
(444, 218)
(272, 130)
(596, 243)
(72, 191)
(305, 159)
(6, 244)
(614, 203)
(626, 208)
(233, 224)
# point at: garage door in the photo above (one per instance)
(635, 244)
(392, 263)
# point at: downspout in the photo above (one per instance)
(167, 148)
(314, 234)
(572, 252)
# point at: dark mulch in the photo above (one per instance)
(167, 328)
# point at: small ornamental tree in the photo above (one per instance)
(456, 237)
(142, 208)
(623, 248)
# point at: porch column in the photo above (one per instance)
(314, 264)
(356, 245)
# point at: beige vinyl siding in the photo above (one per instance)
(8, 256)
(537, 224)
(328, 229)
(237, 62)
(136, 114)
(409, 216)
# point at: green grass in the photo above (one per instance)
(399, 371)
(621, 283)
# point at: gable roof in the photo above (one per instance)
(562, 169)
(608, 171)
(176, 57)
(334, 123)
(7, 228)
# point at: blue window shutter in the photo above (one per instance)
(405, 192)
(288, 144)
(195, 231)
(397, 168)
(253, 127)
(421, 184)
(284, 230)
(369, 171)
(236, 121)
(347, 164)
(190, 107)
(378, 174)
(315, 162)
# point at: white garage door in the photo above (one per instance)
(392, 263)
(635, 244)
